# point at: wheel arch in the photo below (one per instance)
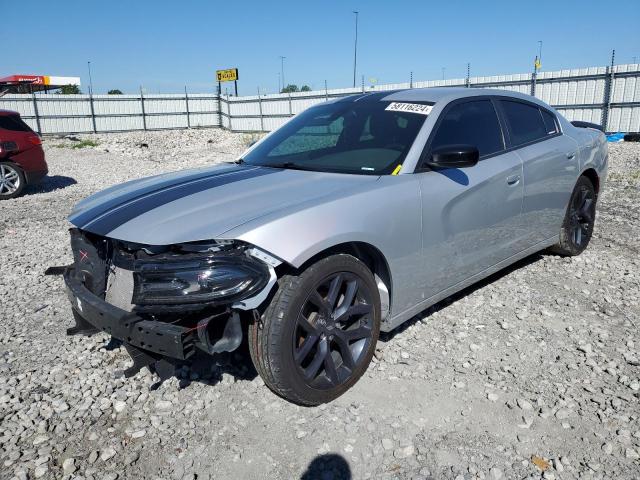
(367, 253)
(12, 162)
(593, 177)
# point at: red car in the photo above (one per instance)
(22, 160)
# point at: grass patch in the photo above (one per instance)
(85, 144)
(80, 144)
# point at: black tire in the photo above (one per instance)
(579, 220)
(11, 172)
(319, 324)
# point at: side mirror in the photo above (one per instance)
(454, 156)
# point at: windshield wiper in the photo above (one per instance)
(288, 165)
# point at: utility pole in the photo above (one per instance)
(90, 80)
(540, 52)
(608, 90)
(355, 51)
(536, 66)
(284, 85)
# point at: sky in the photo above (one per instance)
(165, 46)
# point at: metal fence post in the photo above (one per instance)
(534, 77)
(220, 106)
(608, 90)
(290, 109)
(35, 111)
(326, 92)
(260, 107)
(186, 103)
(144, 118)
(93, 113)
(467, 82)
(229, 112)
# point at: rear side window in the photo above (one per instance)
(549, 122)
(470, 123)
(13, 123)
(525, 122)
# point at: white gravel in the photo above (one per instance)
(535, 373)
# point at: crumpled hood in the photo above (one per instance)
(202, 204)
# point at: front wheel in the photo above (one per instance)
(577, 227)
(318, 334)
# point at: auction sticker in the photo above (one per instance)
(410, 107)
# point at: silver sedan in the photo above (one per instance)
(352, 218)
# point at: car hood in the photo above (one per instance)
(202, 204)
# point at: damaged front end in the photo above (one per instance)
(166, 301)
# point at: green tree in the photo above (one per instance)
(70, 90)
(115, 91)
(290, 88)
(305, 88)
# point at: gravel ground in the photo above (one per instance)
(535, 373)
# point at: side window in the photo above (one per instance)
(549, 122)
(471, 123)
(525, 122)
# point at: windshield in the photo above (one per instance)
(366, 137)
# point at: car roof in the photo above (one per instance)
(438, 94)
(7, 112)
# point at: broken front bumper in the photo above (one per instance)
(93, 314)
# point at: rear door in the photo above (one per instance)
(550, 165)
(471, 216)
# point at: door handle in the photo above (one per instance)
(571, 155)
(513, 180)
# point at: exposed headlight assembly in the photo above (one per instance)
(210, 278)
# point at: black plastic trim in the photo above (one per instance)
(158, 337)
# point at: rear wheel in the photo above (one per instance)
(577, 227)
(12, 181)
(318, 334)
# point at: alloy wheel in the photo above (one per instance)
(334, 330)
(9, 180)
(582, 215)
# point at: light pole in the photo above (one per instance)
(284, 85)
(355, 51)
(90, 80)
(540, 52)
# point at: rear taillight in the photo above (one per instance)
(34, 139)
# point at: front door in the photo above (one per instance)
(471, 216)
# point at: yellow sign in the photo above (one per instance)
(229, 75)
